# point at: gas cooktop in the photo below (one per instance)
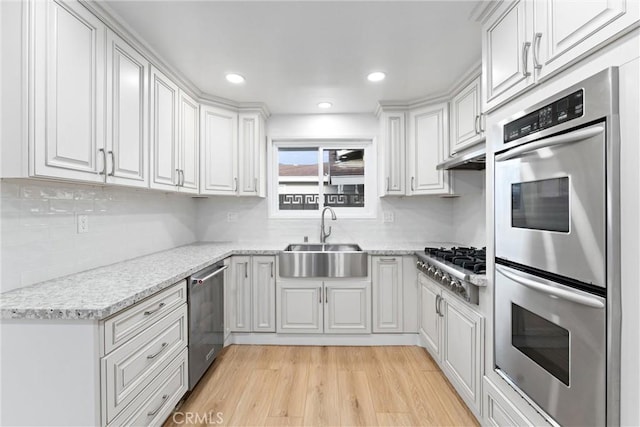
(457, 269)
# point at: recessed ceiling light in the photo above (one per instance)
(325, 105)
(376, 76)
(235, 78)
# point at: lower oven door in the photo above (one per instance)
(550, 342)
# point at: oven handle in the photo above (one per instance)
(566, 138)
(544, 288)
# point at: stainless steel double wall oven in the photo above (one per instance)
(557, 274)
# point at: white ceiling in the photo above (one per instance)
(295, 54)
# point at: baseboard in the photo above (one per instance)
(294, 339)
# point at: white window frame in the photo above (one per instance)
(367, 143)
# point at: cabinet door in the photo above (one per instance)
(564, 30)
(164, 132)
(188, 146)
(392, 153)
(250, 154)
(347, 308)
(506, 48)
(429, 317)
(240, 295)
(219, 157)
(299, 307)
(428, 145)
(387, 287)
(462, 349)
(127, 114)
(69, 91)
(466, 126)
(264, 294)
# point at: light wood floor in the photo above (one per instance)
(325, 386)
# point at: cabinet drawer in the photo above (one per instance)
(130, 368)
(130, 322)
(152, 406)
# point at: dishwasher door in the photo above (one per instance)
(206, 319)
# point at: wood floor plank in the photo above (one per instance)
(283, 421)
(326, 386)
(386, 389)
(356, 405)
(397, 419)
(253, 407)
(289, 397)
(321, 405)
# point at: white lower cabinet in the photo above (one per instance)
(498, 410)
(330, 307)
(145, 374)
(251, 294)
(346, 308)
(300, 307)
(454, 335)
(387, 286)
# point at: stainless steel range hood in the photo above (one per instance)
(470, 159)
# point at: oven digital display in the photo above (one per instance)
(542, 341)
(568, 108)
(541, 205)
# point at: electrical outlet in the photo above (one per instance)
(83, 224)
(232, 217)
(388, 216)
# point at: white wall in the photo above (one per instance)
(38, 234)
(469, 209)
(417, 220)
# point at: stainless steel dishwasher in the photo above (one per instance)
(206, 319)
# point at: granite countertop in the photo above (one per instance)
(98, 293)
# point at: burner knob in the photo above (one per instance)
(437, 274)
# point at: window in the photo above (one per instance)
(307, 176)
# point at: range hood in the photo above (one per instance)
(470, 159)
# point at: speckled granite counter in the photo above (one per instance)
(98, 293)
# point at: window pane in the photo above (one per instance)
(343, 171)
(298, 187)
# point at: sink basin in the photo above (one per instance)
(323, 247)
(323, 260)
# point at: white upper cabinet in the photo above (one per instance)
(164, 132)
(251, 155)
(427, 145)
(69, 92)
(506, 46)
(127, 114)
(219, 142)
(526, 41)
(188, 147)
(392, 153)
(466, 118)
(565, 29)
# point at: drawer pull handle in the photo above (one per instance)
(150, 312)
(164, 399)
(153, 356)
(387, 260)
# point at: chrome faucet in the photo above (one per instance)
(324, 234)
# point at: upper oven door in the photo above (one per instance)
(550, 202)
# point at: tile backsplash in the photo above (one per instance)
(39, 238)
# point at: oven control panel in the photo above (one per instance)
(564, 109)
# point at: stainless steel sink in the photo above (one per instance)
(323, 260)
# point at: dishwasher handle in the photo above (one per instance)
(201, 280)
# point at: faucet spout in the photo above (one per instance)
(323, 233)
